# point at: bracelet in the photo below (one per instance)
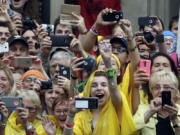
(69, 125)
(73, 77)
(111, 73)
(132, 49)
(94, 31)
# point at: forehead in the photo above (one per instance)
(168, 37)
(4, 29)
(99, 79)
(18, 44)
(143, 46)
(28, 33)
(163, 81)
(63, 27)
(161, 59)
(116, 44)
(62, 105)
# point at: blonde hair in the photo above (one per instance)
(164, 74)
(30, 95)
(7, 71)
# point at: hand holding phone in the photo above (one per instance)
(114, 16)
(166, 98)
(64, 71)
(86, 103)
(146, 65)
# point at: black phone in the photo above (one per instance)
(114, 16)
(88, 64)
(86, 103)
(146, 21)
(12, 102)
(61, 40)
(64, 71)
(148, 36)
(45, 85)
(166, 98)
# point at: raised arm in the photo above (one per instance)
(111, 73)
(91, 36)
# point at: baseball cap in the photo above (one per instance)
(120, 40)
(18, 38)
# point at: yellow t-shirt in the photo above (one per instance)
(13, 129)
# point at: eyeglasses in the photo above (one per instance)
(30, 80)
(166, 40)
(64, 111)
(162, 87)
(31, 109)
(119, 49)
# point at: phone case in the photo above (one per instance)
(145, 21)
(114, 16)
(61, 40)
(4, 47)
(22, 62)
(166, 98)
(69, 9)
(12, 102)
(146, 65)
(86, 103)
(64, 71)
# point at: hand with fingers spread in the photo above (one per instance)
(140, 77)
(48, 126)
(79, 23)
(4, 111)
(106, 52)
(100, 22)
(63, 82)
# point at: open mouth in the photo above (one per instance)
(100, 95)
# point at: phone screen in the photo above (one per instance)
(81, 104)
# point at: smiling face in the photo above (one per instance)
(4, 83)
(18, 3)
(61, 111)
(100, 89)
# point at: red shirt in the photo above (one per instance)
(91, 8)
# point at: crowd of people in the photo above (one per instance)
(73, 79)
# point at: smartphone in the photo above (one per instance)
(12, 102)
(66, 13)
(4, 47)
(45, 85)
(146, 21)
(22, 62)
(174, 57)
(48, 28)
(61, 40)
(166, 98)
(64, 71)
(114, 16)
(146, 65)
(88, 64)
(86, 103)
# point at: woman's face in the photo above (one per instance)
(4, 83)
(163, 84)
(18, 3)
(60, 112)
(160, 63)
(100, 89)
(101, 65)
(32, 108)
(52, 94)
